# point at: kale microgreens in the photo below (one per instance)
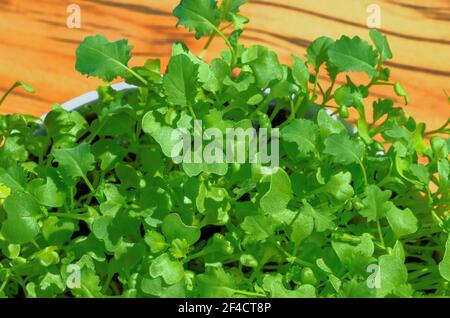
(348, 213)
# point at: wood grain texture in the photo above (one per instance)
(37, 47)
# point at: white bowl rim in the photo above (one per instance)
(91, 97)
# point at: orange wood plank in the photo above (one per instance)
(37, 47)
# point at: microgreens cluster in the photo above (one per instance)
(362, 213)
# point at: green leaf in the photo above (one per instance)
(317, 52)
(274, 285)
(170, 270)
(304, 133)
(231, 6)
(439, 147)
(4, 191)
(128, 176)
(200, 16)
(382, 45)
(279, 194)
(173, 227)
(328, 125)
(151, 72)
(344, 96)
(355, 257)
(180, 82)
(302, 227)
(75, 162)
(300, 73)
(444, 265)
(56, 231)
(15, 178)
(217, 249)
(257, 228)
(323, 218)
(353, 55)
(264, 64)
(89, 281)
(48, 194)
(218, 72)
(163, 134)
(344, 150)
(194, 169)
(20, 230)
(402, 222)
(156, 241)
(339, 186)
(376, 203)
(215, 283)
(393, 274)
(96, 56)
(400, 91)
(22, 210)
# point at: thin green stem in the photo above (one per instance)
(194, 256)
(5, 282)
(88, 183)
(275, 112)
(363, 169)
(96, 132)
(13, 87)
(246, 293)
(294, 258)
(295, 107)
(140, 78)
(316, 82)
(223, 36)
(67, 216)
(260, 107)
(439, 130)
(417, 274)
(329, 95)
(36, 245)
(380, 234)
(191, 110)
(321, 91)
(107, 282)
(380, 84)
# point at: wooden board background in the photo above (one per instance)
(36, 46)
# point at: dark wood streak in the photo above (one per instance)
(258, 39)
(132, 7)
(358, 25)
(418, 69)
(44, 50)
(63, 40)
(168, 41)
(61, 25)
(305, 43)
(436, 13)
(291, 39)
(101, 26)
(149, 54)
